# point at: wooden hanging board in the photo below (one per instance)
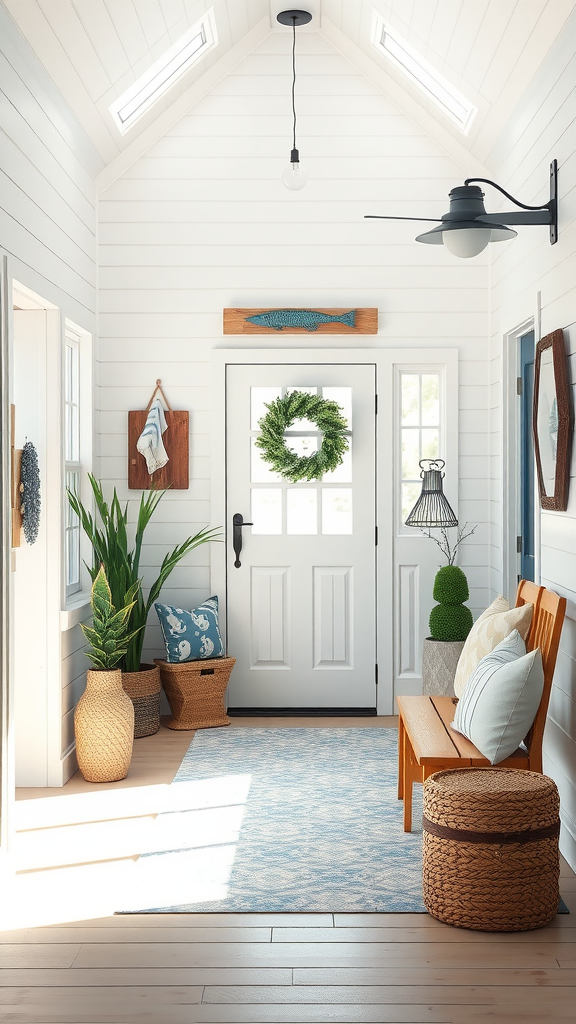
(175, 439)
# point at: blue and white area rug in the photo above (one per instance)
(284, 820)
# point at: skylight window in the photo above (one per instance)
(437, 88)
(165, 72)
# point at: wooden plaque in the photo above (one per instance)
(175, 438)
(292, 320)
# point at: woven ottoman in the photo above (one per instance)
(195, 692)
(491, 858)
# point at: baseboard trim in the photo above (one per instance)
(301, 712)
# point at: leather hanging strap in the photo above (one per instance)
(156, 389)
(499, 838)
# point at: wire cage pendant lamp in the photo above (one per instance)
(432, 508)
(294, 175)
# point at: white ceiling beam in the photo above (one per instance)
(181, 106)
(395, 92)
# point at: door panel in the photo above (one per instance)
(301, 605)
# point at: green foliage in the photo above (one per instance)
(122, 565)
(108, 635)
(450, 619)
(450, 622)
(450, 585)
(281, 415)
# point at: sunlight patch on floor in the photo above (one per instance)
(76, 856)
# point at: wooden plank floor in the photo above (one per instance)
(66, 958)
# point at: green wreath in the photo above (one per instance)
(281, 414)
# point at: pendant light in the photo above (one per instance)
(432, 507)
(294, 175)
(467, 229)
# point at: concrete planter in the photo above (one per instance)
(439, 661)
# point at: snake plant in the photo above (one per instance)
(108, 635)
(111, 549)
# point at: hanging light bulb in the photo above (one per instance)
(294, 176)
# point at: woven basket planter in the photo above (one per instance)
(491, 858)
(144, 688)
(195, 692)
(104, 728)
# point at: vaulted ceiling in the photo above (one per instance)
(489, 49)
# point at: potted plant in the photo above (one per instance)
(450, 619)
(111, 548)
(104, 715)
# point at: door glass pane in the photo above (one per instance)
(410, 399)
(261, 471)
(302, 445)
(430, 399)
(301, 510)
(337, 510)
(410, 495)
(410, 453)
(430, 440)
(266, 510)
(258, 399)
(343, 398)
(343, 473)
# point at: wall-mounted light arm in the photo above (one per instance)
(546, 213)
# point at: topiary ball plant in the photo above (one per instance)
(450, 619)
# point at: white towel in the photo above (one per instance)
(150, 443)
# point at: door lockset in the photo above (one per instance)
(237, 524)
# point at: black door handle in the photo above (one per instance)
(238, 523)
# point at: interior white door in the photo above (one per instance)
(302, 605)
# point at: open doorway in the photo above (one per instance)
(526, 537)
(520, 507)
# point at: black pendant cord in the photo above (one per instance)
(487, 181)
(294, 81)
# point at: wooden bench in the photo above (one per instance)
(427, 744)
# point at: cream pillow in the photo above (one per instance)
(493, 626)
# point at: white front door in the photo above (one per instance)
(302, 603)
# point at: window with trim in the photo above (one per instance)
(72, 461)
(419, 433)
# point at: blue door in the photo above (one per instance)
(526, 545)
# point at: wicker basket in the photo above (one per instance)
(491, 858)
(195, 692)
(144, 688)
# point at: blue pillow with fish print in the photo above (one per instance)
(190, 636)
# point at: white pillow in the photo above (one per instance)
(489, 629)
(501, 698)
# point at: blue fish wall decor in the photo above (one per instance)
(292, 320)
(278, 319)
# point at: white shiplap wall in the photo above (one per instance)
(202, 222)
(542, 128)
(48, 231)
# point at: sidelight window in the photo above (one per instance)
(420, 433)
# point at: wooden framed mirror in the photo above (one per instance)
(552, 421)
